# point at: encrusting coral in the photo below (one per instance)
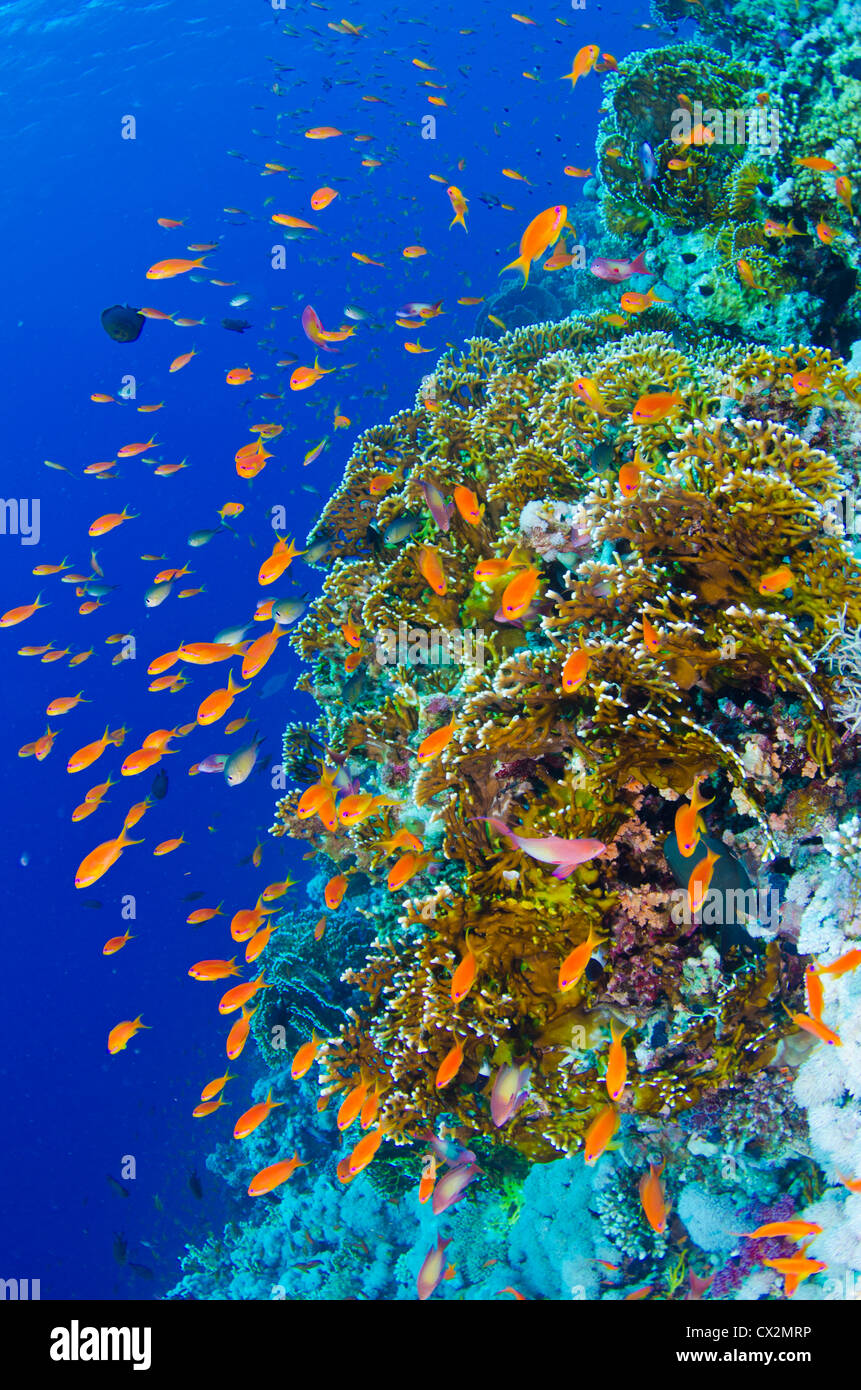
(659, 507)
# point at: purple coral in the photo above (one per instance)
(396, 775)
(752, 1252)
(439, 704)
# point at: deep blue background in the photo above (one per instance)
(78, 230)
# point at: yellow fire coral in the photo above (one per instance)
(714, 567)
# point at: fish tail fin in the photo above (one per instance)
(639, 267)
(522, 264)
(123, 840)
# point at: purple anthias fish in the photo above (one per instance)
(440, 511)
(214, 762)
(567, 855)
(619, 270)
(431, 1271)
(508, 1093)
(499, 617)
(448, 1151)
(452, 1185)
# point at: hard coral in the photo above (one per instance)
(727, 496)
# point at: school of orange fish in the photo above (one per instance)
(249, 926)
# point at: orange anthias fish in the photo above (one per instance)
(64, 704)
(430, 568)
(458, 207)
(219, 702)
(208, 1107)
(366, 1149)
(322, 197)
(635, 302)
(334, 891)
(303, 377)
(351, 1105)
(793, 1229)
(96, 864)
(701, 877)
(652, 1198)
(238, 1035)
(583, 64)
(463, 978)
(815, 993)
(776, 581)
(214, 970)
(240, 994)
(586, 389)
(260, 652)
(468, 505)
(519, 594)
(253, 1118)
(651, 640)
(202, 914)
(116, 943)
(843, 189)
(450, 1065)
(629, 480)
(182, 361)
(600, 1133)
(850, 961)
(168, 846)
(652, 408)
(490, 569)
(166, 270)
(276, 1174)
(795, 1270)
(571, 969)
(121, 1035)
(540, 234)
(688, 824)
(575, 670)
(433, 745)
(617, 1063)
(18, 615)
(404, 869)
(283, 554)
(103, 524)
(818, 1029)
(304, 1059)
(87, 755)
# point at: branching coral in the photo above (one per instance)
(669, 590)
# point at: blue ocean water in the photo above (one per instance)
(78, 223)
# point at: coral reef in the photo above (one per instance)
(730, 491)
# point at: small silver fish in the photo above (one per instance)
(288, 610)
(232, 636)
(238, 300)
(401, 528)
(157, 593)
(239, 766)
